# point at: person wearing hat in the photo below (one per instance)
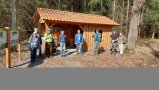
(97, 39)
(33, 44)
(48, 38)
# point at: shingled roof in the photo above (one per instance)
(73, 17)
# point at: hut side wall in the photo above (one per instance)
(89, 41)
(42, 28)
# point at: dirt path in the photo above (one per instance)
(104, 60)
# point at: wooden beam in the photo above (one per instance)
(46, 26)
(68, 27)
(8, 59)
(81, 27)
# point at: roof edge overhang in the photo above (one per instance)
(83, 23)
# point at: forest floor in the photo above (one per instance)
(146, 56)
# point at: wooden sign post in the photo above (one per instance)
(19, 45)
(8, 51)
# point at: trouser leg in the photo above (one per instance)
(61, 46)
(111, 47)
(55, 45)
(97, 51)
(47, 50)
(121, 47)
(40, 51)
(64, 49)
(80, 47)
(95, 48)
(77, 48)
(114, 48)
(32, 54)
(50, 47)
(94, 52)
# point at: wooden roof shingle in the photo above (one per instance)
(73, 17)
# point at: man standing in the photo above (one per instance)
(114, 39)
(33, 45)
(97, 39)
(55, 37)
(48, 37)
(79, 41)
(62, 41)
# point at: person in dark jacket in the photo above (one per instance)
(114, 39)
(40, 42)
(78, 41)
(39, 47)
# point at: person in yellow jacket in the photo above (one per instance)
(48, 38)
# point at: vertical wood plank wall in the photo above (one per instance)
(89, 41)
(89, 30)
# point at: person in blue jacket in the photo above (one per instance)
(78, 41)
(62, 41)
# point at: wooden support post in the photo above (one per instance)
(8, 52)
(46, 26)
(19, 45)
(44, 43)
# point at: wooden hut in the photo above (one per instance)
(71, 21)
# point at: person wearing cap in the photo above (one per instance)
(55, 37)
(114, 39)
(97, 39)
(48, 38)
(62, 41)
(78, 41)
(33, 44)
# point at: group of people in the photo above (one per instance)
(117, 40)
(53, 40)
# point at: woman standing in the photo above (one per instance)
(33, 45)
(122, 41)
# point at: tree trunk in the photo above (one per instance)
(122, 15)
(140, 23)
(114, 9)
(13, 11)
(134, 22)
(85, 5)
(158, 34)
(101, 5)
(91, 7)
(127, 17)
(153, 33)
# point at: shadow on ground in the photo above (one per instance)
(38, 61)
